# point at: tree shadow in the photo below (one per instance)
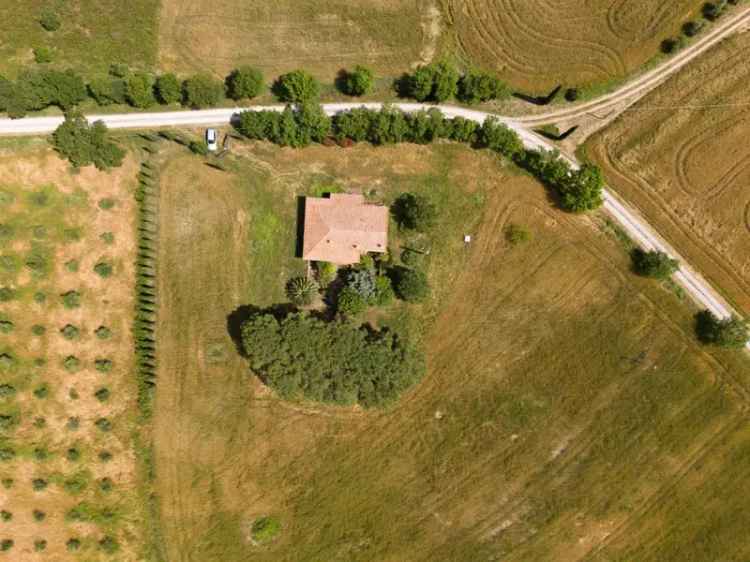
(556, 137)
(300, 226)
(539, 100)
(340, 81)
(402, 85)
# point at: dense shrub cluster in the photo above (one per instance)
(657, 265)
(579, 189)
(40, 88)
(724, 332)
(83, 144)
(301, 356)
(440, 81)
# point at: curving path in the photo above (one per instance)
(635, 226)
(736, 21)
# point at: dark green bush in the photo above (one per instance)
(107, 90)
(297, 87)
(38, 330)
(83, 144)
(358, 82)
(73, 423)
(140, 90)
(476, 86)
(6, 326)
(6, 515)
(102, 394)
(301, 290)
(103, 269)
(41, 454)
(103, 424)
(70, 332)
(40, 545)
(42, 55)
(73, 544)
(304, 356)
(103, 365)
(106, 485)
(7, 483)
(202, 90)
(414, 212)
(244, 82)
(103, 333)
(73, 454)
(105, 456)
(434, 82)
(39, 515)
(39, 484)
(49, 20)
(41, 391)
(109, 545)
(7, 294)
(168, 89)
(411, 285)
(350, 303)
(198, 147)
(723, 332)
(6, 544)
(71, 299)
(655, 264)
(7, 454)
(71, 363)
(40, 422)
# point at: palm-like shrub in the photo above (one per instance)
(301, 290)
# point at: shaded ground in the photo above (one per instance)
(566, 411)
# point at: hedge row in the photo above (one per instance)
(298, 126)
(147, 196)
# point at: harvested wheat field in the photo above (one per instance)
(67, 394)
(537, 44)
(681, 157)
(321, 36)
(567, 413)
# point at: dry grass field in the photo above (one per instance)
(321, 36)
(568, 413)
(681, 158)
(93, 33)
(538, 44)
(67, 393)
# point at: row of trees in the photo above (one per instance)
(441, 81)
(710, 11)
(303, 356)
(579, 189)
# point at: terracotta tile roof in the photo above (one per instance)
(341, 228)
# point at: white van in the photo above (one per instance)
(212, 140)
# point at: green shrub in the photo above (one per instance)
(414, 212)
(71, 299)
(83, 144)
(40, 422)
(412, 257)
(301, 290)
(7, 294)
(434, 82)
(6, 515)
(107, 237)
(350, 303)
(103, 269)
(106, 485)
(71, 363)
(107, 90)
(7, 454)
(6, 326)
(358, 82)
(103, 333)
(7, 483)
(73, 544)
(105, 456)
(198, 147)
(244, 82)
(6, 544)
(103, 365)
(41, 391)
(202, 90)
(73, 394)
(326, 273)
(168, 89)
(411, 285)
(109, 545)
(305, 356)
(102, 394)
(39, 484)
(49, 20)
(7, 390)
(140, 90)
(70, 332)
(361, 281)
(73, 423)
(73, 454)
(40, 545)
(384, 293)
(106, 203)
(42, 55)
(499, 137)
(76, 484)
(654, 264)
(40, 297)
(103, 424)
(265, 529)
(516, 234)
(722, 332)
(41, 454)
(72, 266)
(476, 86)
(297, 87)
(39, 515)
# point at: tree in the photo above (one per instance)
(312, 122)
(107, 90)
(301, 291)
(202, 90)
(350, 303)
(49, 20)
(415, 212)
(582, 189)
(712, 10)
(691, 28)
(476, 86)
(434, 82)
(654, 264)
(303, 356)
(244, 82)
(259, 125)
(168, 89)
(516, 234)
(359, 82)
(42, 55)
(724, 332)
(499, 137)
(326, 272)
(41, 88)
(297, 87)
(411, 285)
(572, 94)
(669, 45)
(140, 90)
(83, 144)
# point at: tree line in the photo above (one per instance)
(297, 126)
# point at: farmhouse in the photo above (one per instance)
(342, 227)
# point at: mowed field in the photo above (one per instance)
(68, 428)
(681, 158)
(93, 34)
(537, 44)
(321, 36)
(567, 413)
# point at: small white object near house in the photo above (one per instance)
(467, 238)
(212, 140)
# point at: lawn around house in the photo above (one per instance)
(565, 410)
